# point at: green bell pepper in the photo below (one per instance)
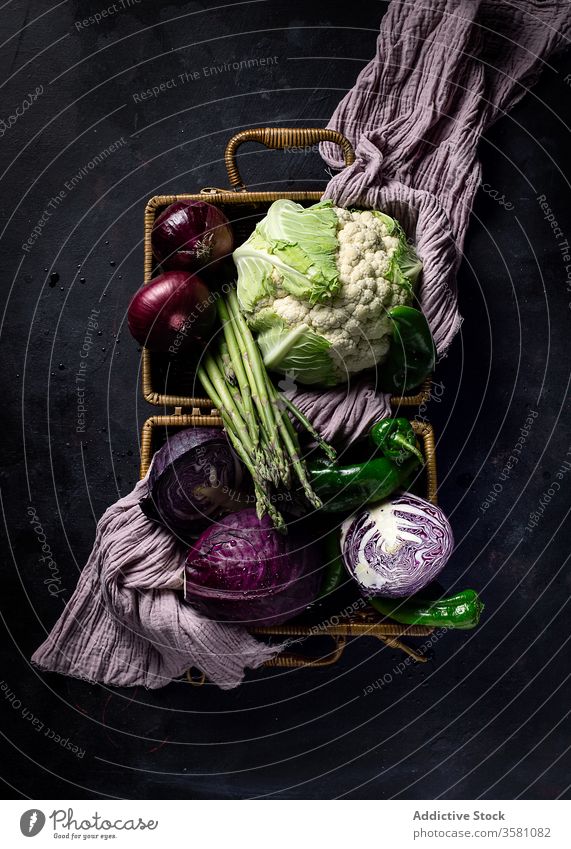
(344, 488)
(412, 354)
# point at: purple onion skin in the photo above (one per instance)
(172, 314)
(397, 547)
(192, 235)
(193, 458)
(243, 570)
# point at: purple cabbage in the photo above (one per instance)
(193, 479)
(243, 570)
(397, 547)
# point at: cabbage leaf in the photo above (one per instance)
(301, 244)
(297, 351)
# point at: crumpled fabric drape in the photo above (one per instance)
(342, 414)
(126, 623)
(443, 71)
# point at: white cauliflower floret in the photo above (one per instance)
(355, 322)
(317, 285)
(361, 342)
(291, 309)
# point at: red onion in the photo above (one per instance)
(191, 235)
(172, 313)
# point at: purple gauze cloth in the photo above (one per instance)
(342, 414)
(443, 72)
(126, 623)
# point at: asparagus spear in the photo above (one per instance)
(328, 449)
(229, 376)
(254, 413)
(217, 380)
(268, 392)
(238, 366)
(263, 498)
(257, 377)
(289, 437)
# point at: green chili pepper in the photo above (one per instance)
(343, 488)
(395, 437)
(457, 611)
(334, 572)
(412, 354)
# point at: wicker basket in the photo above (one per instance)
(243, 208)
(365, 622)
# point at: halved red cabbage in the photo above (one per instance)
(192, 477)
(396, 547)
(242, 570)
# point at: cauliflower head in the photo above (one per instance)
(316, 285)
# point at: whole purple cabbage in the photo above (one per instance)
(193, 478)
(242, 570)
(397, 547)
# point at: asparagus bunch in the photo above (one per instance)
(255, 414)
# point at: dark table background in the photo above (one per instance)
(489, 714)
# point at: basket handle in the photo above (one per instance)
(290, 660)
(278, 138)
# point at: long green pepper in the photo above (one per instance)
(461, 610)
(345, 488)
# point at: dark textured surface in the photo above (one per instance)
(488, 714)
